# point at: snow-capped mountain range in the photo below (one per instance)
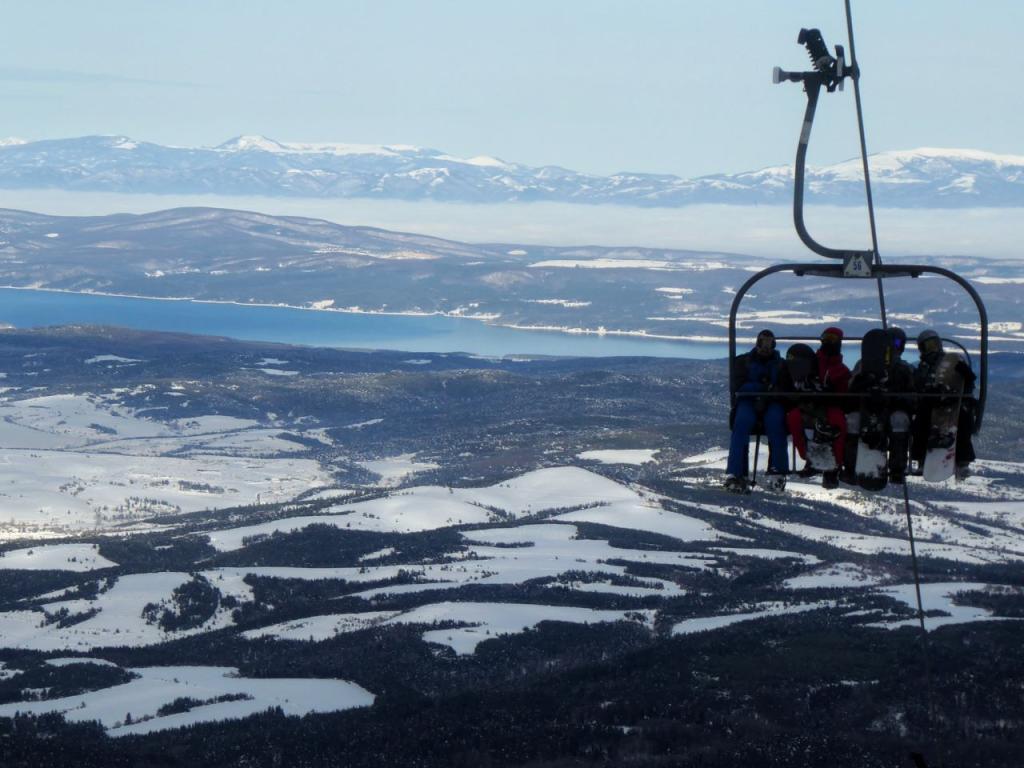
(256, 165)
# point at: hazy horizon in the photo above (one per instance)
(756, 230)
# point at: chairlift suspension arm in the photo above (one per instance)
(812, 87)
(829, 72)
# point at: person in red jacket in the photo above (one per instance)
(833, 376)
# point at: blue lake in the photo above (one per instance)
(29, 308)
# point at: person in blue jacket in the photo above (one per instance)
(757, 371)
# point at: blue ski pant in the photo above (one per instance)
(743, 424)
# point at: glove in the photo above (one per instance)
(966, 373)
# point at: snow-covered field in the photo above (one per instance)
(115, 616)
(82, 458)
(568, 494)
(393, 469)
(51, 492)
(765, 610)
(838, 575)
(478, 622)
(76, 463)
(55, 557)
(545, 545)
(940, 597)
(218, 693)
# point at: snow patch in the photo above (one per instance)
(396, 468)
(111, 359)
(939, 597)
(55, 557)
(219, 693)
(478, 622)
(837, 575)
(636, 456)
(762, 610)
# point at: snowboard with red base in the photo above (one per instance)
(940, 455)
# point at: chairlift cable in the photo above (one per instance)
(925, 655)
(855, 71)
(877, 259)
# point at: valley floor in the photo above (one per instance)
(453, 561)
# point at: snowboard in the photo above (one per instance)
(871, 468)
(940, 457)
(819, 446)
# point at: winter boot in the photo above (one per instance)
(774, 481)
(735, 484)
(807, 471)
(830, 479)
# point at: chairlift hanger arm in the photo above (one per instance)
(829, 71)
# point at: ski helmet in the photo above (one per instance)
(899, 339)
(800, 361)
(929, 342)
(799, 352)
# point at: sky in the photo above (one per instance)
(599, 86)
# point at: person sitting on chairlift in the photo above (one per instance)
(830, 421)
(929, 345)
(757, 371)
(898, 378)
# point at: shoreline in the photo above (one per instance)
(486, 318)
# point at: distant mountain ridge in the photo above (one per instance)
(257, 165)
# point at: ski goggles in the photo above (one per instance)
(831, 338)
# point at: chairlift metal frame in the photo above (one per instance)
(881, 271)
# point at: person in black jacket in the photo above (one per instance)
(901, 375)
(757, 371)
(926, 381)
(898, 378)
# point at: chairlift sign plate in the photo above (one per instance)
(856, 264)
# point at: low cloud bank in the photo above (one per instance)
(757, 229)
